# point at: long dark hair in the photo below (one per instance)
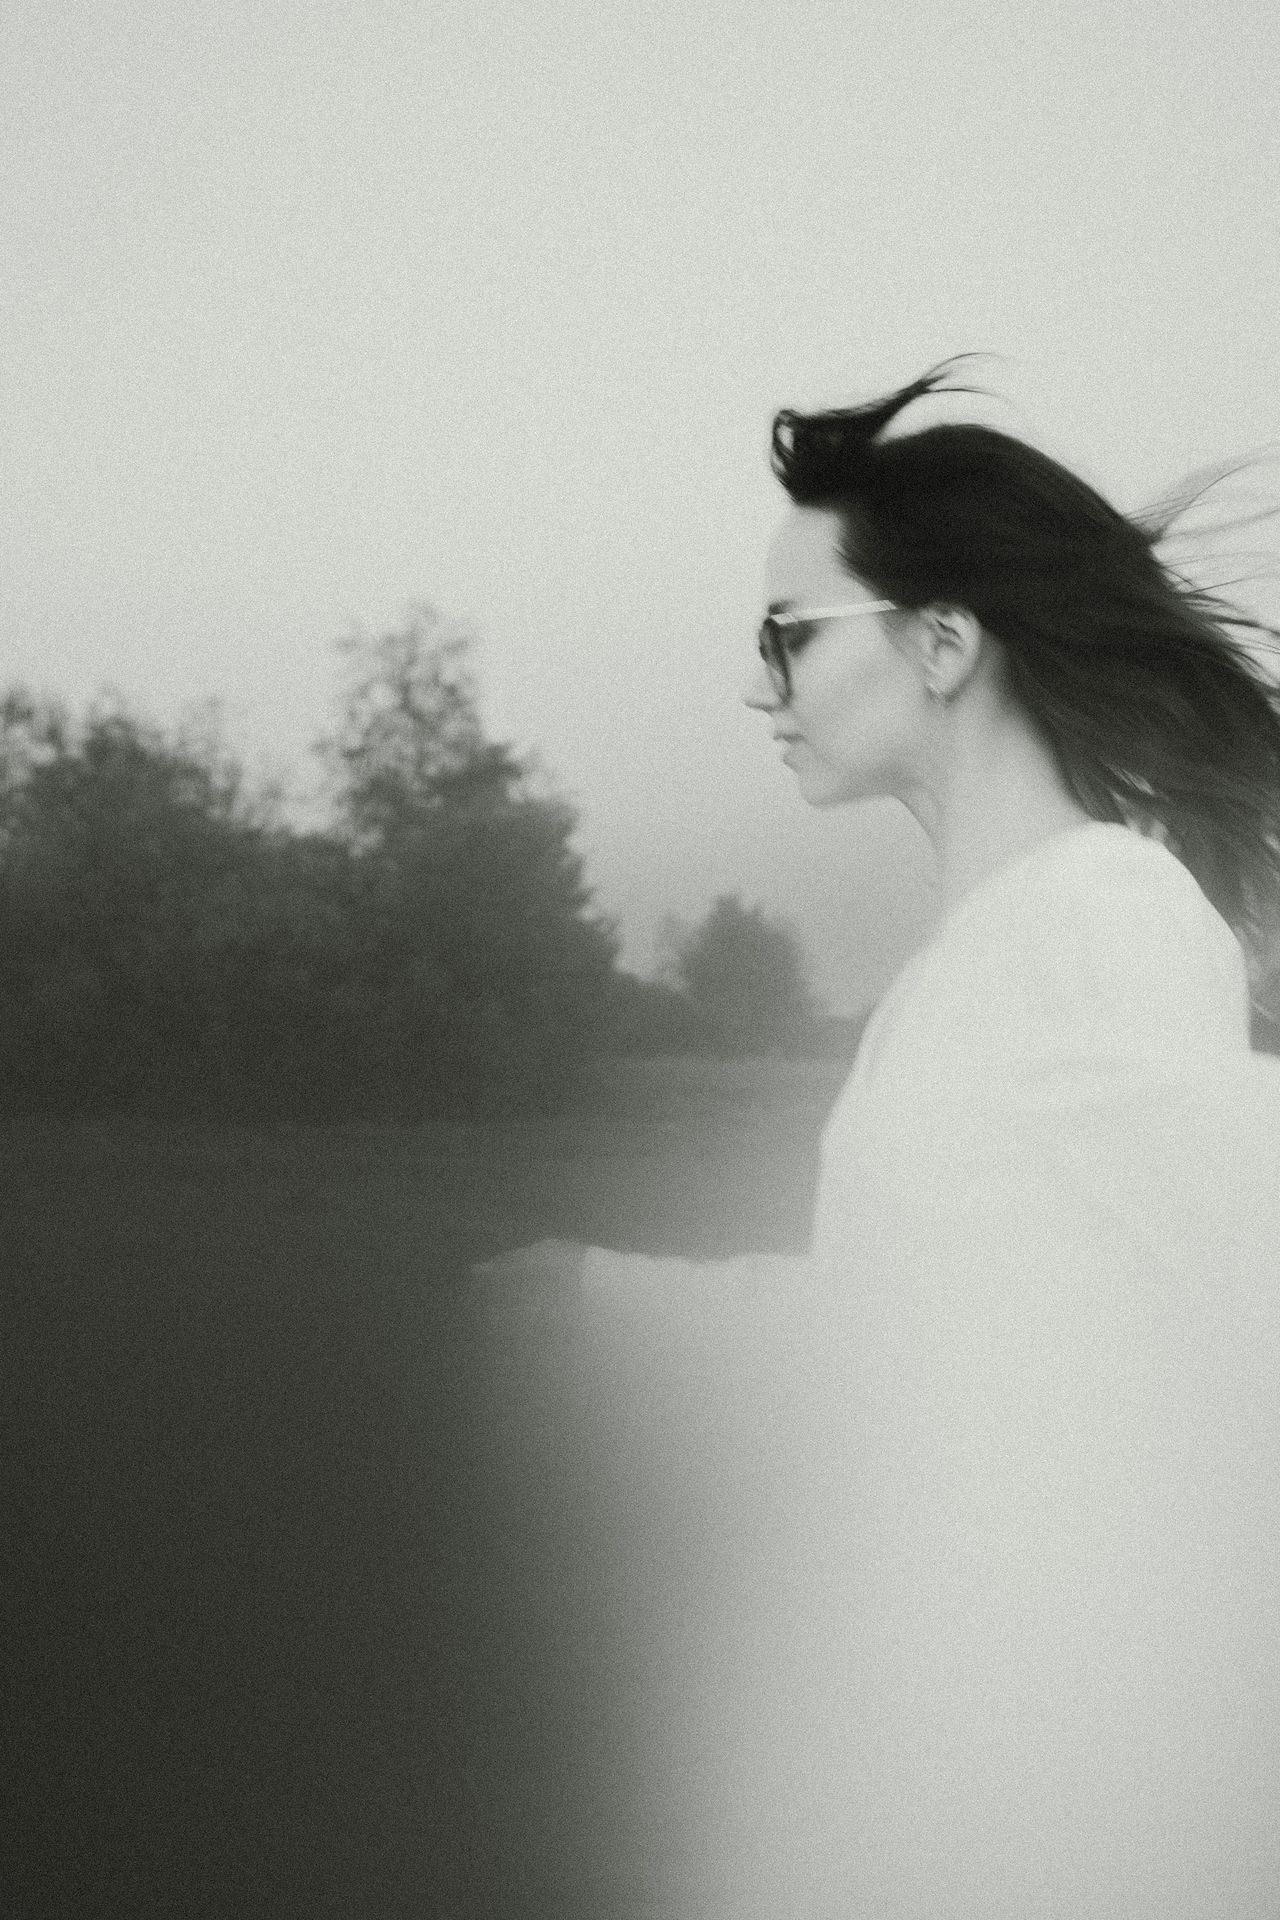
(1143, 684)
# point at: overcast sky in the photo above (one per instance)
(314, 311)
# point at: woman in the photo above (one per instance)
(1005, 1633)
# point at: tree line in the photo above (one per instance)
(170, 942)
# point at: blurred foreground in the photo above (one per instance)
(314, 1612)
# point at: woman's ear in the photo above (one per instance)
(952, 645)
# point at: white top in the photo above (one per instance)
(994, 1478)
(1095, 956)
(1077, 1011)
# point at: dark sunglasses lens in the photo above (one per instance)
(774, 655)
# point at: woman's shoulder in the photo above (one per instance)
(1111, 917)
(1101, 892)
(1097, 945)
(1114, 864)
(1093, 873)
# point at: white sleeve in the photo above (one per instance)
(638, 1279)
(642, 1289)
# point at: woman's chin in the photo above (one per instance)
(819, 791)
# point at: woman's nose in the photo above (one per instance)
(760, 690)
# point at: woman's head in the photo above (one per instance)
(847, 693)
(1151, 707)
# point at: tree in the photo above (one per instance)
(744, 975)
(652, 1017)
(168, 942)
(487, 965)
(120, 851)
(410, 735)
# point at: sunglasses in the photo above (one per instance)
(776, 651)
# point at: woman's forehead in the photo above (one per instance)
(804, 558)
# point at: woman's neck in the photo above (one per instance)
(997, 793)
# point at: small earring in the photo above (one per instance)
(933, 692)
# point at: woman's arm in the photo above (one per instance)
(553, 1277)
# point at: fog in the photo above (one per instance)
(316, 312)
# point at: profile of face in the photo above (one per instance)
(857, 717)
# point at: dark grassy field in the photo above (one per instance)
(313, 1615)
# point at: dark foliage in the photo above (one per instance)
(167, 945)
(651, 1018)
(743, 974)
